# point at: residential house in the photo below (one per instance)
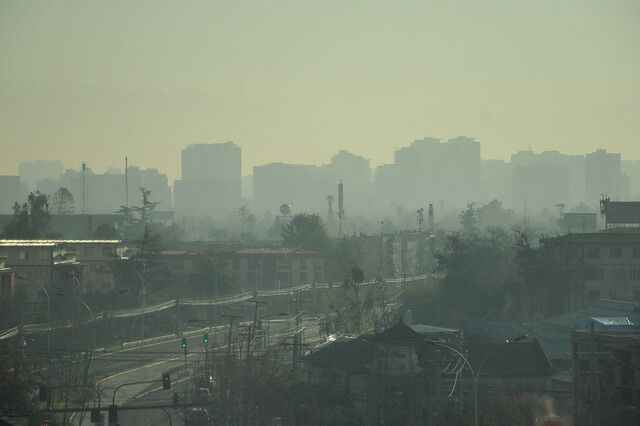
(606, 365)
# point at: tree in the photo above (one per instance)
(30, 220)
(545, 282)
(106, 232)
(307, 231)
(62, 202)
(246, 217)
(348, 305)
(135, 227)
(493, 214)
(469, 219)
(478, 273)
(19, 376)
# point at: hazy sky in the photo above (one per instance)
(296, 81)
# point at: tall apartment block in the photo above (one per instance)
(430, 171)
(604, 177)
(211, 180)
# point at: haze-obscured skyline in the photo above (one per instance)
(296, 82)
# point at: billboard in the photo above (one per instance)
(623, 212)
(580, 221)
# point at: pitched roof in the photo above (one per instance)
(344, 353)
(556, 345)
(399, 333)
(510, 359)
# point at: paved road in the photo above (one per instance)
(140, 376)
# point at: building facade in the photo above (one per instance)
(211, 180)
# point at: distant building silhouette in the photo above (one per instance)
(547, 179)
(211, 180)
(604, 176)
(105, 192)
(33, 171)
(11, 192)
(430, 170)
(302, 186)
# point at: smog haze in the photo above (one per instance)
(298, 81)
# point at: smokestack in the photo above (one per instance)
(430, 216)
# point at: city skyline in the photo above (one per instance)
(298, 82)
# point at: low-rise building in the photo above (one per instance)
(606, 365)
(607, 264)
(89, 262)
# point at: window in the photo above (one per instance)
(593, 295)
(596, 274)
(303, 277)
(592, 252)
(88, 251)
(636, 295)
(106, 251)
(635, 252)
(235, 263)
(23, 255)
(571, 253)
(254, 264)
(634, 274)
(43, 254)
(616, 252)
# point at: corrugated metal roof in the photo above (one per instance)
(273, 250)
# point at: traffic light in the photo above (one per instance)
(175, 401)
(184, 343)
(166, 381)
(206, 337)
(113, 414)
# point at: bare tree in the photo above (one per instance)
(62, 202)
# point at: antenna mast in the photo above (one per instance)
(84, 188)
(340, 207)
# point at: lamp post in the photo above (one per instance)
(46, 293)
(144, 305)
(215, 281)
(486, 357)
(93, 322)
(476, 374)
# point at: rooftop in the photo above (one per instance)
(51, 243)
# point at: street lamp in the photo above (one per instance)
(486, 357)
(46, 293)
(476, 374)
(93, 322)
(215, 281)
(143, 308)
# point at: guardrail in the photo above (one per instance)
(209, 301)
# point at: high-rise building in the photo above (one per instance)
(301, 186)
(631, 168)
(11, 192)
(546, 179)
(604, 177)
(211, 180)
(33, 171)
(429, 171)
(105, 192)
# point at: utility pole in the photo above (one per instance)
(593, 374)
(231, 318)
